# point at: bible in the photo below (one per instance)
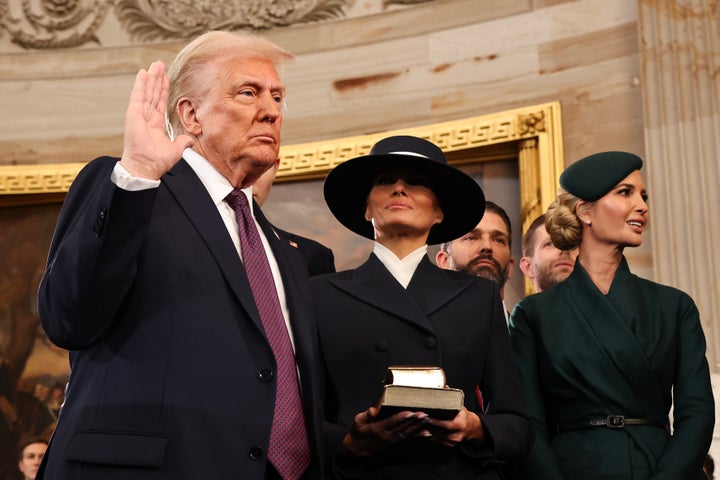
(419, 388)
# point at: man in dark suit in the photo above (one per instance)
(182, 368)
(318, 257)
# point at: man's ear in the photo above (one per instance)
(188, 115)
(443, 259)
(526, 267)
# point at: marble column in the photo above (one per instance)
(680, 52)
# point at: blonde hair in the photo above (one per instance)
(562, 222)
(187, 70)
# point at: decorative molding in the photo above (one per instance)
(31, 179)
(44, 24)
(175, 19)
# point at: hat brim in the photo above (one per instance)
(347, 187)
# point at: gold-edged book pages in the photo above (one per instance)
(419, 388)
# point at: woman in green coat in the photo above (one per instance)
(604, 355)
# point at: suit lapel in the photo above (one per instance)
(287, 258)
(191, 195)
(432, 287)
(373, 284)
(429, 290)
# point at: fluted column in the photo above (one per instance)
(680, 52)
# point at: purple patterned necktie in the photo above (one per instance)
(289, 450)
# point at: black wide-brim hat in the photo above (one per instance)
(348, 185)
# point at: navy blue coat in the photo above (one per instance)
(171, 371)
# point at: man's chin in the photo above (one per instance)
(552, 280)
(483, 272)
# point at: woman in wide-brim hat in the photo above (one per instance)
(605, 354)
(400, 309)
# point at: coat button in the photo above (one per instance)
(430, 342)
(265, 375)
(382, 345)
(255, 453)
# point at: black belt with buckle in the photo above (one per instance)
(611, 421)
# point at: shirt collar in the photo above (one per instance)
(401, 269)
(217, 185)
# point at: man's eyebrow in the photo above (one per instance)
(259, 84)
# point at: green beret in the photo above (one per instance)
(592, 177)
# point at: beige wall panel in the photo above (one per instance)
(528, 30)
(548, 3)
(448, 74)
(586, 88)
(90, 63)
(420, 19)
(601, 119)
(381, 96)
(68, 149)
(597, 46)
(79, 108)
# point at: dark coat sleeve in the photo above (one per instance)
(693, 408)
(93, 256)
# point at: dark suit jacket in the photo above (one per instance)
(634, 352)
(318, 257)
(368, 321)
(171, 371)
